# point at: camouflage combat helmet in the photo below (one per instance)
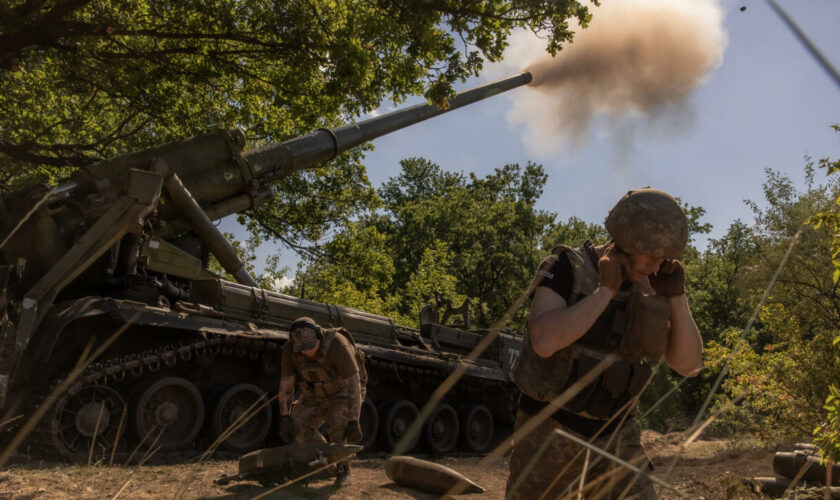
(648, 221)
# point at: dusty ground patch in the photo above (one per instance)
(710, 469)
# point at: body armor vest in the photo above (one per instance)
(319, 377)
(634, 325)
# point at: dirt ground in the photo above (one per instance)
(711, 469)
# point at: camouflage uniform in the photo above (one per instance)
(543, 379)
(632, 327)
(324, 395)
(309, 414)
(547, 453)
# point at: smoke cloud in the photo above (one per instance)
(637, 58)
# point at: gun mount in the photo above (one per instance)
(124, 244)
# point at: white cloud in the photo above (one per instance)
(281, 283)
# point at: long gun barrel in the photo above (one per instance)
(287, 157)
(225, 181)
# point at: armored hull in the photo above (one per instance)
(115, 336)
(193, 376)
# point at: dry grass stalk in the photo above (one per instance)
(237, 424)
(148, 455)
(622, 462)
(611, 478)
(247, 415)
(540, 417)
(53, 396)
(152, 447)
(302, 477)
(530, 466)
(437, 395)
(26, 217)
(140, 444)
(120, 429)
(121, 489)
(96, 432)
(801, 472)
(624, 411)
(10, 421)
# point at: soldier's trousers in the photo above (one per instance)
(309, 414)
(545, 464)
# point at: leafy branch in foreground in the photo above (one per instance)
(827, 435)
(86, 80)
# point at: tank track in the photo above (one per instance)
(47, 434)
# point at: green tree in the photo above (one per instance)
(489, 225)
(827, 434)
(806, 283)
(457, 235)
(574, 232)
(786, 363)
(430, 278)
(353, 270)
(84, 80)
(715, 281)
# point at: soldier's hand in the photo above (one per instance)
(353, 432)
(286, 429)
(611, 268)
(669, 280)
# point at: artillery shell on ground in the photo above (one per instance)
(428, 476)
(776, 486)
(284, 463)
(806, 448)
(789, 464)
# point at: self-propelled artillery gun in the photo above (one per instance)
(112, 262)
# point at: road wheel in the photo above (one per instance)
(229, 410)
(477, 428)
(441, 429)
(369, 422)
(89, 423)
(169, 413)
(397, 419)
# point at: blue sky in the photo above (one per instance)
(767, 105)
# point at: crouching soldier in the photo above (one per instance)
(330, 371)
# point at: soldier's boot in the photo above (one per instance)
(342, 472)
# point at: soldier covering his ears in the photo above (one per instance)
(324, 362)
(626, 299)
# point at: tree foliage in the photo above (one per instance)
(84, 80)
(827, 434)
(354, 270)
(247, 252)
(574, 232)
(447, 233)
(716, 281)
(785, 364)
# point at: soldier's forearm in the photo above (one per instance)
(354, 396)
(685, 344)
(553, 325)
(286, 394)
